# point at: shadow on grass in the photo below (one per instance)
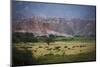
(22, 58)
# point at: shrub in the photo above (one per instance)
(23, 37)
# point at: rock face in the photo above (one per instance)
(57, 26)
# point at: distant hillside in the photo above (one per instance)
(58, 26)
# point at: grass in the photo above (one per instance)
(62, 51)
(91, 56)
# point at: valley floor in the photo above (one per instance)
(59, 52)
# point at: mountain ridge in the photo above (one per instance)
(55, 25)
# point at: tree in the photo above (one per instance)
(23, 37)
(48, 39)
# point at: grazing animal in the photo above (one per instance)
(82, 46)
(40, 46)
(73, 47)
(65, 47)
(69, 48)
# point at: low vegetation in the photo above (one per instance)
(29, 49)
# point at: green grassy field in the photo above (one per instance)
(89, 56)
(60, 51)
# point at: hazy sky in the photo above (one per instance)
(29, 9)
